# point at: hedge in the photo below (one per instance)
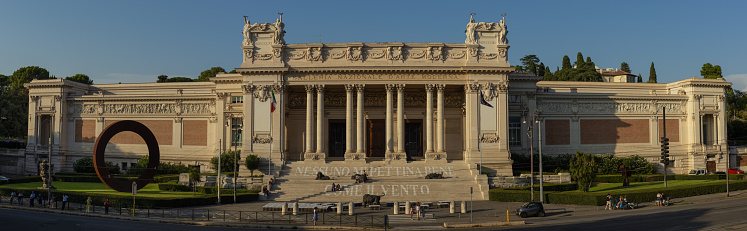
(659, 177)
(200, 189)
(22, 180)
(142, 202)
(87, 177)
(550, 187)
(598, 198)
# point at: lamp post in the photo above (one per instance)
(49, 162)
(530, 134)
(235, 163)
(220, 152)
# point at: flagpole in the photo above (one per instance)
(479, 129)
(269, 162)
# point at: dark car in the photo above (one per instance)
(531, 209)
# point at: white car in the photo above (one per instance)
(3, 178)
(698, 171)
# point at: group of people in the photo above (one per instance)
(418, 211)
(266, 188)
(19, 197)
(661, 199)
(621, 203)
(336, 187)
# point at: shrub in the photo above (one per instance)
(252, 163)
(226, 159)
(85, 165)
(163, 167)
(583, 170)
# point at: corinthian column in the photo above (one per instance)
(309, 117)
(429, 118)
(319, 118)
(440, 118)
(359, 119)
(389, 141)
(349, 88)
(400, 118)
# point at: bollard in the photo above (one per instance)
(463, 207)
(407, 207)
(295, 208)
(452, 207)
(339, 208)
(351, 209)
(284, 209)
(396, 208)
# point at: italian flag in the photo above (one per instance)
(272, 104)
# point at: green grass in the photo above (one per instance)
(150, 190)
(617, 187)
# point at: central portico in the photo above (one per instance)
(358, 102)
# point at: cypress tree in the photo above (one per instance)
(579, 60)
(640, 79)
(652, 74)
(566, 63)
(541, 69)
(532, 68)
(548, 73)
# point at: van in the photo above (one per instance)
(698, 171)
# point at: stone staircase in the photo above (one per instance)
(398, 181)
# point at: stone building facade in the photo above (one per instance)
(394, 103)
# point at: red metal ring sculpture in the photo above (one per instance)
(99, 163)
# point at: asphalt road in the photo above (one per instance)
(727, 214)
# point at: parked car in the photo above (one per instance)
(717, 173)
(735, 171)
(698, 171)
(3, 178)
(531, 209)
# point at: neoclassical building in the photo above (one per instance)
(380, 105)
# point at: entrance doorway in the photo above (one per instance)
(414, 138)
(336, 138)
(376, 146)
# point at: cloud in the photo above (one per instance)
(739, 81)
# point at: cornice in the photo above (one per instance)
(549, 96)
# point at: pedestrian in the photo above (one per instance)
(88, 204)
(365, 177)
(422, 211)
(609, 202)
(411, 211)
(64, 201)
(106, 206)
(32, 197)
(12, 195)
(658, 199)
(53, 202)
(40, 199)
(316, 217)
(417, 210)
(333, 187)
(20, 198)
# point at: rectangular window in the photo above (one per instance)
(236, 133)
(124, 166)
(514, 98)
(237, 99)
(514, 130)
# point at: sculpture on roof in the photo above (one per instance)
(279, 32)
(504, 30)
(471, 38)
(247, 33)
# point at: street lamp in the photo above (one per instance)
(235, 163)
(530, 133)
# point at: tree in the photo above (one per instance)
(548, 74)
(710, 71)
(194, 176)
(624, 67)
(579, 60)
(180, 79)
(532, 68)
(528, 60)
(81, 78)
(541, 69)
(232, 72)
(26, 74)
(640, 78)
(583, 169)
(206, 74)
(566, 63)
(226, 161)
(652, 74)
(519, 69)
(252, 163)
(162, 79)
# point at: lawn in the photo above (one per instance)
(617, 187)
(150, 190)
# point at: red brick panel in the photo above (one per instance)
(195, 132)
(557, 132)
(162, 129)
(85, 131)
(673, 129)
(614, 131)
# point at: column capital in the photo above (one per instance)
(400, 87)
(349, 87)
(440, 87)
(429, 87)
(360, 87)
(278, 87)
(471, 88)
(390, 87)
(248, 89)
(310, 88)
(320, 88)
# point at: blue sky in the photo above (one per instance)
(135, 41)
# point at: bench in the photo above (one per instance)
(374, 207)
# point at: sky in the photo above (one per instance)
(135, 41)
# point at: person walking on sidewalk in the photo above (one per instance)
(609, 202)
(20, 198)
(417, 210)
(40, 199)
(53, 202)
(316, 217)
(106, 206)
(88, 204)
(12, 195)
(64, 201)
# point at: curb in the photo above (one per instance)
(493, 224)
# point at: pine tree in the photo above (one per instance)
(589, 63)
(652, 74)
(548, 74)
(624, 67)
(532, 68)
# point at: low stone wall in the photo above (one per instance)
(523, 180)
(226, 181)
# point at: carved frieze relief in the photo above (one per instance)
(593, 108)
